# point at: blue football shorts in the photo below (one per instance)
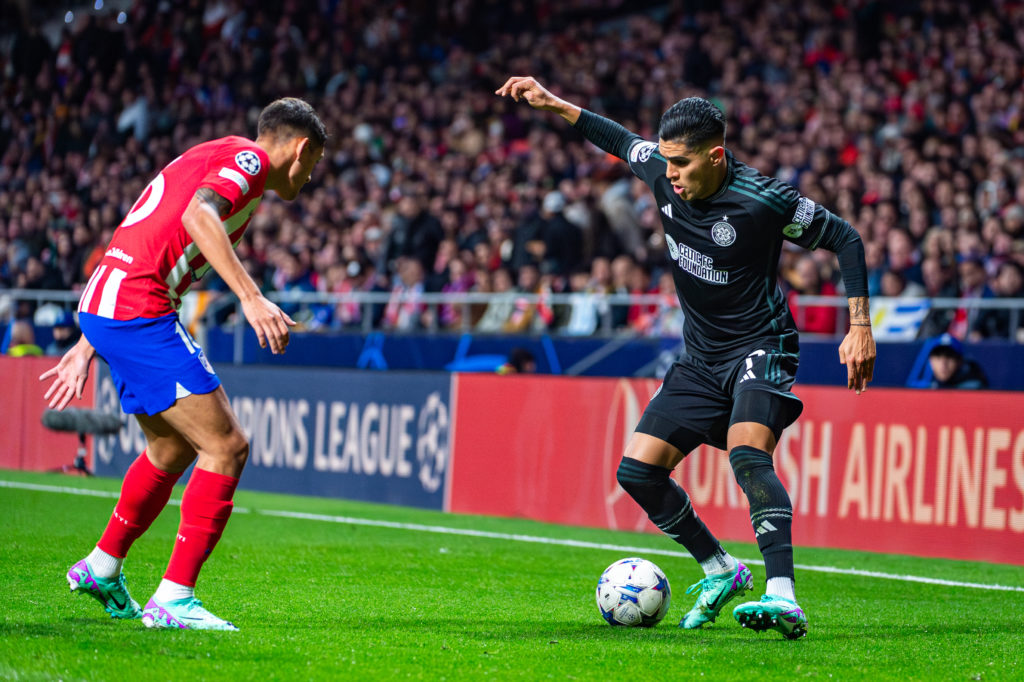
(153, 361)
(698, 402)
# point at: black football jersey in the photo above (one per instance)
(724, 251)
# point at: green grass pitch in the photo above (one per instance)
(328, 600)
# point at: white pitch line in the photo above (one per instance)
(516, 537)
(536, 539)
(109, 494)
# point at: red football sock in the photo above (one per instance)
(144, 493)
(205, 509)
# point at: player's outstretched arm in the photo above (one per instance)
(857, 351)
(605, 133)
(538, 97)
(69, 375)
(202, 221)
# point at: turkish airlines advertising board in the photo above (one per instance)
(937, 474)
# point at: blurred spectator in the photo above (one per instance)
(972, 285)
(21, 340)
(995, 323)
(65, 334)
(640, 285)
(938, 283)
(405, 309)
(896, 285)
(583, 316)
(415, 232)
(901, 256)
(938, 278)
(527, 315)
(447, 253)
(816, 319)
(668, 320)
(482, 284)
(623, 279)
(502, 304)
(563, 241)
(460, 280)
(520, 361)
(292, 276)
(345, 278)
(950, 369)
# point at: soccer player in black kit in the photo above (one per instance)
(724, 226)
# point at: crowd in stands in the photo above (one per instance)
(906, 118)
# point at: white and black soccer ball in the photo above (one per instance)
(633, 592)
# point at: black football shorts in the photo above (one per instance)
(698, 402)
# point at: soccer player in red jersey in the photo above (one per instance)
(188, 220)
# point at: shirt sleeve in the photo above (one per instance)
(238, 173)
(812, 226)
(641, 155)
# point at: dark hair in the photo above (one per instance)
(292, 116)
(1011, 264)
(520, 357)
(694, 121)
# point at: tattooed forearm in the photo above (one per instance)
(215, 201)
(860, 312)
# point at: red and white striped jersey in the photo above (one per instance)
(152, 261)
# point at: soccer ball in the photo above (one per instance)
(633, 592)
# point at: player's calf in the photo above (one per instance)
(771, 511)
(668, 506)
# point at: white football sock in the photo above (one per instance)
(720, 563)
(781, 587)
(104, 565)
(168, 591)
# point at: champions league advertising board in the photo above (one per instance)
(377, 437)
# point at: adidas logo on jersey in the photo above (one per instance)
(667, 210)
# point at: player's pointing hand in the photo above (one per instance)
(526, 87)
(538, 97)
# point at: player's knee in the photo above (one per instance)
(633, 474)
(644, 482)
(232, 448)
(748, 463)
(239, 448)
(755, 474)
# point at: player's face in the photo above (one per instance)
(301, 170)
(694, 173)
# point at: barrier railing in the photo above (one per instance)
(224, 308)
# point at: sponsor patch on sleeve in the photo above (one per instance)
(235, 177)
(802, 218)
(248, 161)
(641, 151)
